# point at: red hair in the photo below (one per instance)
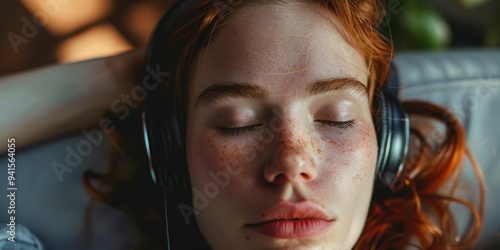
(418, 213)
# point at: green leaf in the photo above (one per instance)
(473, 3)
(492, 38)
(426, 26)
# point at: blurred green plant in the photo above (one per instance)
(415, 24)
(473, 3)
(493, 36)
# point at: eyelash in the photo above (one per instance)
(238, 131)
(338, 124)
(242, 130)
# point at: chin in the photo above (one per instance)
(291, 244)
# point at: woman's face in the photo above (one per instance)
(281, 146)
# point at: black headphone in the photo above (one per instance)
(163, 133)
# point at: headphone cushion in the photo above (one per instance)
(393, 138)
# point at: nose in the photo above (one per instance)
(291, 161)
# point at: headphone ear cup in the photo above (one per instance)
(161, 123)
(382, 133)
(165, 152)
(154, 141)
(393, 132)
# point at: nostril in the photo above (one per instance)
(279, 178)
(305, 176)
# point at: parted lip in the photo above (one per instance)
(293, 211)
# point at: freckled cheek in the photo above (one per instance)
(211, 156)
(351, 160)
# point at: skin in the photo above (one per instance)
(289, 152)
(73, 96)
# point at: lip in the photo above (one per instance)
(291, 220)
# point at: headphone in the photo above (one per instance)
(163, 133)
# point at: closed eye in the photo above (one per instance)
(238, 130)
(337, 124)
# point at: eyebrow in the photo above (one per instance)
(222, 91)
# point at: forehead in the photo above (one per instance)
(273, 43)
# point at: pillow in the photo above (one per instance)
(467, 82)
(57, 209)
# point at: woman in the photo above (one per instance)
(276, 103)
